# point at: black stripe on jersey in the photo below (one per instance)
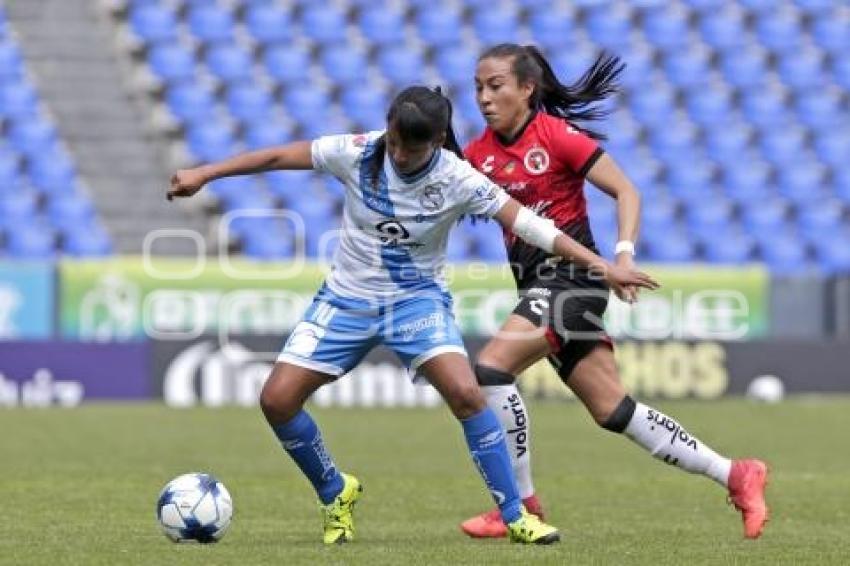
(591, 161)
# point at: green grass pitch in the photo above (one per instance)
(79, 487)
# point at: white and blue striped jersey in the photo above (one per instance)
(395, 231)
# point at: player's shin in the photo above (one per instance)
(486, 441)
(302, 440)
(504, 399)
(667, 440)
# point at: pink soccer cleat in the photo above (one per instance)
(747, 481)
(490, 525)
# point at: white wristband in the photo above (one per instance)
(624, 246)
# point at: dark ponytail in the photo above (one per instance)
(575, 102)
(418, 114)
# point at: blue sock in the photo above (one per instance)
(486, 440)
(301, 438)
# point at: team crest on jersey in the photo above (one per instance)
(536, 161)
(432, 198)
(360, 140)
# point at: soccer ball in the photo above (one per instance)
(767, 389)
(194, 507)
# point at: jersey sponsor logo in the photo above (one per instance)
(536, 161)
(432, 198)
(490, 440)
(676, 430)
(515, 187)
(409, 330)
(360, 140)
(487, 164)
(510, 167)
(520, 427)
(378, 203)
(392, 232)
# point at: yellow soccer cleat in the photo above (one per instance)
(337, 516)
(529, 529)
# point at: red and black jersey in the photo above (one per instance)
(543, 168)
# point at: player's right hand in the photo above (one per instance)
(186, 182)
(621, 279)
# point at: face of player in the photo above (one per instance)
(408, 157)
(502, 100)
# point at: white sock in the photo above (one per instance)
(665, 439)
(509, 407)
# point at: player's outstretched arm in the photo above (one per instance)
(543, 234)
(296, 155)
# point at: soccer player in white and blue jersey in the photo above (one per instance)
(405, 189)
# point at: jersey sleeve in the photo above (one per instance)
(574, 148)
(482, 197)
(338, 155)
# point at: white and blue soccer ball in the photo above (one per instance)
(194, 507)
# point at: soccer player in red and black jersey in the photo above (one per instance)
(534, 147)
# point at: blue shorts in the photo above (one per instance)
(337, 332)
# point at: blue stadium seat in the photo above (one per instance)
(572, 64)
(764, 108)
(249, 102)
(459, 246)
(659, 215)
(266, 132)
(746, 180)
(306, 104)
(364, 105)
(802, 69)
(210, 141)
(269, 24)
(153, 23)
(743, 69)
(818, 110)
(439, 27)
(70, 210)
(495, 25)
(640, 69)
(401, 66)
(666, 28)
(324, 24)
(734, 247)
(833, 146)
(211, 23)
(831, 33)
(230, 63)
(705, 6)
(673, 246)
(30, 242)
(784, 253)
(11, 62)
(345, 65)
(783, 145)
(382, 25)
(711, 215)
(779, 30)
(456, 64)
(32, 136)
(674, 141)
(87, 241)
(652, 106)
(690, 179)
(687, 68)
(326, 124)
(708, 105)
(760, 7)
(20, 204)
(552, 29)
(802, 182)
(821, 218)
(287, 65)
(815, 6)
(263, 245)
(228, 186)
(765, 216)
(834, 253)
(53, 174)
(10, 170)
(609, 27)
(841, 71)
(17, 99)
(723, 29)
(289, 184)
(172, 62)
(190, 102)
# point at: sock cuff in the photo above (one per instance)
(487, 376)
(294, 427)
(480, 423)
(622, 415)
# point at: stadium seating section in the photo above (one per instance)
(44, 208)
(734, 119)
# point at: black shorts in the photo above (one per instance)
(570, 306)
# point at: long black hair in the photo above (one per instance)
(575, 102)
(419, 115)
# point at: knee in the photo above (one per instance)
(277, 405)
(467, 400)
